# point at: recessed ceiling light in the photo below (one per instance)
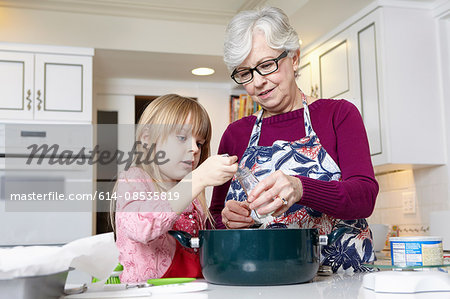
(203, 71)
(300, 42)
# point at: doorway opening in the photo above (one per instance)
(140, 103)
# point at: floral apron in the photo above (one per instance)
(307, 157)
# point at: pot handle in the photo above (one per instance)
(334, 235)
(185, 239)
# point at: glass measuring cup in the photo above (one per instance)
(248, 182)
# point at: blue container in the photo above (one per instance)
(416, 251)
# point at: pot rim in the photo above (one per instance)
(258, 229)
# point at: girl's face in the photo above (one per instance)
(274, 92)
(182, 152)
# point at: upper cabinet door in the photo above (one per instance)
(16, 85)
(63, 87)
(338, 68)
(368, 65)
(330, 70)
(334, 71)
(305, 79)
(308, 75)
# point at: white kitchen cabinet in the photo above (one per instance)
(44, 201)
(330, 70)
(391, 75)
(45, 83)
(16, 85)
(369, 87)
(307, 76)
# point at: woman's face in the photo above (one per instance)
(275, 92)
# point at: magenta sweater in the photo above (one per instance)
(340, 128)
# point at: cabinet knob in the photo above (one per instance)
(315, 91)
(39, 99)
(29, 99)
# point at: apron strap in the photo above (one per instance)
(256, 131)
(309, 131)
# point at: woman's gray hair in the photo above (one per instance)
(272, 21)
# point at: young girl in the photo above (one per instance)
(166, 192)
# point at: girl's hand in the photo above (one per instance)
(275, 193)
(215, 170)
(236, 214)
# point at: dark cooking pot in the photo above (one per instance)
(258, 256)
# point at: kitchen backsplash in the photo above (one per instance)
(428, 189)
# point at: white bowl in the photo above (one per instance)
(379, 233)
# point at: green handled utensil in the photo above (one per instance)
(164, 281)
(114, 279)
(150, 283)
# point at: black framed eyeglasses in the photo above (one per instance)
(264, 68)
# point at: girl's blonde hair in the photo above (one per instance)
(165, 115)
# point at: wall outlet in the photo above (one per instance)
(409, 202)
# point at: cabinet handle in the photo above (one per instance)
(28, 99)
(33, 133)
(315, 91)
(39, 100)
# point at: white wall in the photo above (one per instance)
(34, 26)
(429, 186)
(118, 95)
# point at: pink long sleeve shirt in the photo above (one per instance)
(340, 128)
(146, 250)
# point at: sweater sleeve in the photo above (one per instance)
(220, 192)
(354, 196)
(138, 219)
(234, 142)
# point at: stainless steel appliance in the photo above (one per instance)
(40, 194)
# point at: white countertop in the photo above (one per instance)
(336, 286)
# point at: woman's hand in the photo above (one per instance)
(236, 214)
(215, 170)
(275, 193)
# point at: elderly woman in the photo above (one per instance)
(310, 155)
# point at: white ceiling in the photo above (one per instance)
(200, 11)
(311, 19)
(304, 16)
(157, 66)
